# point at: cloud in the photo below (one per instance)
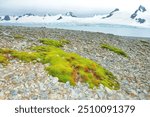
(69, 3)
(75, 5)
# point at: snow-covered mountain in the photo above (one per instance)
(140, 17)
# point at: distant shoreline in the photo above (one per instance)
(61, 28)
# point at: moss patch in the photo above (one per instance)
(114, 49)
(25, 56)
(56, 43)
(66, 66)
(18, 36)
(3, 59)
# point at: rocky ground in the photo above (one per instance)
(20, 80)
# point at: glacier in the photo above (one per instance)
(120, 23)
(119, 18)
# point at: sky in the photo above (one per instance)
(79, 7)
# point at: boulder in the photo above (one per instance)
(7, 18)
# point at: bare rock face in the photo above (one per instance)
(70, 14)
(60, 18)
(47, 15)
(142, 8)
(140, 20)
(28, 14)
(135, 14)
(7, 18)
(18, 17)
(111, 13)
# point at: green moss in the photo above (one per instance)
(25, 56)
(51, 42)
(72, 67)
(67, 66)
(55, 43)
(63, 72)
(3, 60)
(5, 50)
(114, 49)
(4, 55)
(64, 41)
(18, 36)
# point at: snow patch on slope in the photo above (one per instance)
(119, 18)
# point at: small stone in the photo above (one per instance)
(110, 92)
(141, 96)
(133, 92)
(13, 92)
(43, 95)
(42, 86)
(54, 80)
(1, 95)
(100, 94)
(65, 97)
(101, 87)
(97, 54)
(75, 48)
(145, 91)
(31, 76)
(125, 82)
(96, 96)
(139, 91)
(67, 85)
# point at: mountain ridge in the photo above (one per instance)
(140, 17)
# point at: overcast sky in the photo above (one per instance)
(15, 7)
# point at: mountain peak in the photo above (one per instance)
(142, 8)
(7, 18)
(70, 14)
(111, 13)
(28, 14)
(135, 14)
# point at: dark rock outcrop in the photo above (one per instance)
(111, 13)
(70, 14)
(6, 18)
(135, 14)
(140, 20)
(28, 14)
(18, 17)
(60, 18)
(142, 8)
(47, 15)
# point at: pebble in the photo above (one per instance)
(54, 80)
(13, 92)
(67, 85)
